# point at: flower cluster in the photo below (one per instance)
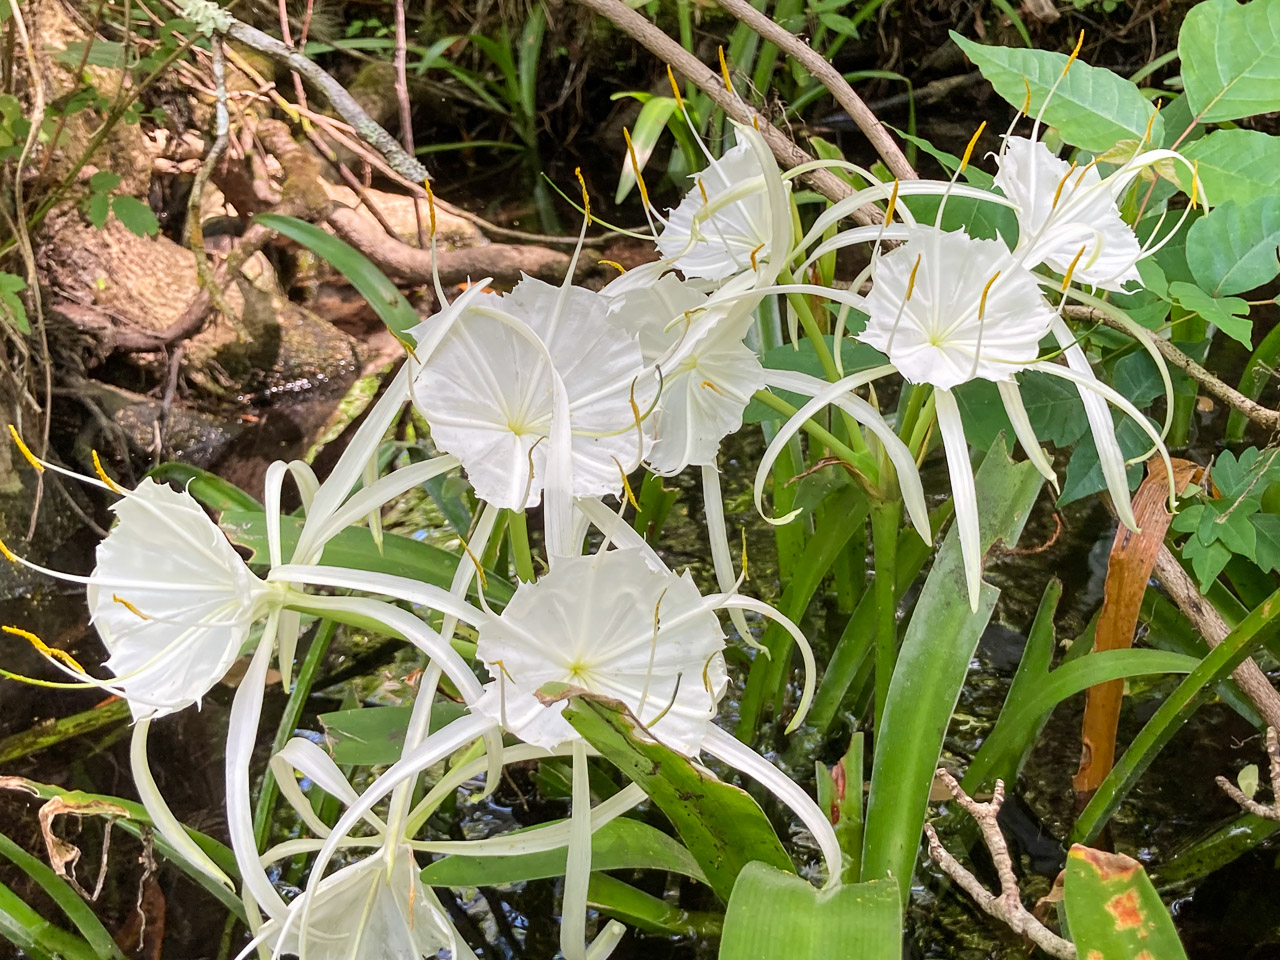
(552, 396)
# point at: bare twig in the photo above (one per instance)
(1007, 906)
(406, 111)
(366, 128)
(1252, 681)
(830, 78)
(1268, 811)
(666, 49)
(1263, 416)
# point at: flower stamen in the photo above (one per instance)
(25, 450)
(43, 648)
(116, 598)
(102, 474)
(724, 71)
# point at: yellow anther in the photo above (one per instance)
(116, 598)
(745, 575)
(1195, 182)
(484, 582)
(893, 205)
(60, 655)
(1066, 279)
(708, 385)
(25, 450)
(102, 474)
(755, 121)
(431, 205)
(675, 88)
(973, 142)
(8, 554)
(635, 167)
(724, 70)
(1074, 53)
(703, 190)
(982, 304)
(1057, 194)
(755, 266)
(1146, 137)
(911, 280)
(586, 199)
(1026, 104)
(626, 485)
(1085, 169)
(615, 264)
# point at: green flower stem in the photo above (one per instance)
(862, 461)
(267, 794)
(825, 357)
(920, 430)
(518, 530)
(886, 518)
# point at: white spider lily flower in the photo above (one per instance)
(376, 907)
(695, 343)
(1068, 215)
(655, 646)
(489, 387)
(946, 309)
(737, 217)
(617, 623)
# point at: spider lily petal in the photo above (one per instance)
(161, 816)
(840, 394)
(962, 490)
(654, 645)
(488, 391)
(735, 218)
(376, 907)
(946, 309)
(1065, 213)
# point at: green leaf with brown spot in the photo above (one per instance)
(718, 823)
(1113, 910)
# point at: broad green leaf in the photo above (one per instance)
(135, 215)
(1257, 628)
(1113, 910)
(1135, 376)
(1228, 314)
(982, 412)
(1054, 408)
(643, 911)
(1232, 249)
(648, 130)
(382, 295)
(774, 914)
(1267, 552)
(1236, 165)
(12, 309)
(978, 218)
(622, 844)
(1231, 59)
(355, 549)
(98, 208)
(932, 665)
(1023, 716)
(68, 901)
(1092, 108)
(721, 825)
(213, 491)
(35, 936)
(104, 181)
(371, 736)
(1084, 472)
(1207, 560)
(103, 53)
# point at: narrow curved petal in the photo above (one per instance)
(1022, 429)
(962, 490)
(162, 817)
(721, 559)
(738, 755)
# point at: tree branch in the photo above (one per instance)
(667, 50)
(1007, 906)
(830, 78)
(1268, 811)
(1263, 416)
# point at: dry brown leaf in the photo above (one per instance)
(1133, 556)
